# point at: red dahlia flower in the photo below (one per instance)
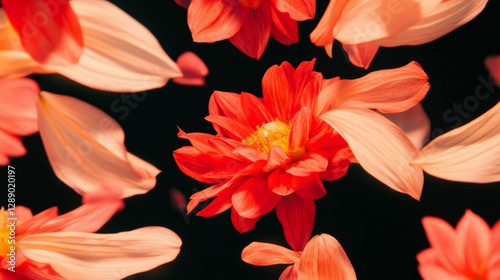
(273, 152)
(247, 23)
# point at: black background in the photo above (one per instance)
(380, 229)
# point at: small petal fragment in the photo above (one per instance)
(493, 65)
(86, 147)
(82, 256)
(361, 55)
(193, 70)
(263, 254)
(469, 153)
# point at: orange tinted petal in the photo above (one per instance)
(325, 259)
(283, 29)
(81, 256)
(361, 55)
(263, 254)
(381, 148)
(193, 70)
(296, 215)
(282, 183)
(18, 99)
(11, 146)
(241, 224)
(86, 148)
(469, 153)
(322, 35)
(253, 198)
(298, 10)
(49, 30)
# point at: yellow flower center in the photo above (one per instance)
(6, 231)
(271, 134)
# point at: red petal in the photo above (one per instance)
(230, 127)
(493, 65)
(311, 187)
(310, 163)
(299, 131)
(282, 183)
(183, 3)
(253, 198)
(196, 164)
(193, 70)
(296, 215)
(298, 9)
(252, 112)
(241, 224)
(223, 104)
(277, 158)
(215, 20)
(49, 30)
(283, 29)
(254, 34)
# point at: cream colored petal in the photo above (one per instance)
(83, 256)
(470, 153)
(86, 147)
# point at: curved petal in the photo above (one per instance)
(224, 104)
(298, 10)
(120, 54)
(493, 65)
(254, 33)
(389, 91)
(252, 112)
(474, 239)
(277, 158)
(437, 21)
(361, 55)
(263, 254)
(367, 21)
(215, 20)
(296, 215)
(283, 29)
(381, 148)
(325, 259)
(290, 273)
(11, 146)
(18, 99)
(49, 30)
(86, 147)
(193, 70)
(253, 198)
(469, 153)
(81, 256)
(241, 224)
(282, 183)
(322, 35)
(415, 123)
(299, 128)
(308, 164)
(311, 187)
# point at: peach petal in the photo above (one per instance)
(415, 123)
(322, 35)
(298, 10)
(361, 55)
(263, 254)
(18, 113)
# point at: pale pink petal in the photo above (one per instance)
(381, 148)
(83, 256)
(298, 10)
(325, 259)
(493, 65)
(445, 242)
(415, 123)
(361, 55)
(18, 99)
(366, 21)
(438, 19)
(469, 153)
(193, 70)
(322, 35)
(86, 147)
(296, 215)
(474, 238)
(215, 20)
(49, 30)
(120, 54)
(389, 91)
(262, 254)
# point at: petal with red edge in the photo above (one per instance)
(120, 54)
(215, 20)
(81, 256)
(381, 148)
(49, 30)
(493, 65)
(362, 54)
(86, 148)
(474, 237)
(193, 70)
(367, 21)
(296, 215)
(438, 19)
(389, 91)
(325, 259)
(469, 153)
(415, 123)
(254, 33)
(298, 10)
(283, 29)
(263, 254)
(253, 198)
(241, 224)
(18, 113)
